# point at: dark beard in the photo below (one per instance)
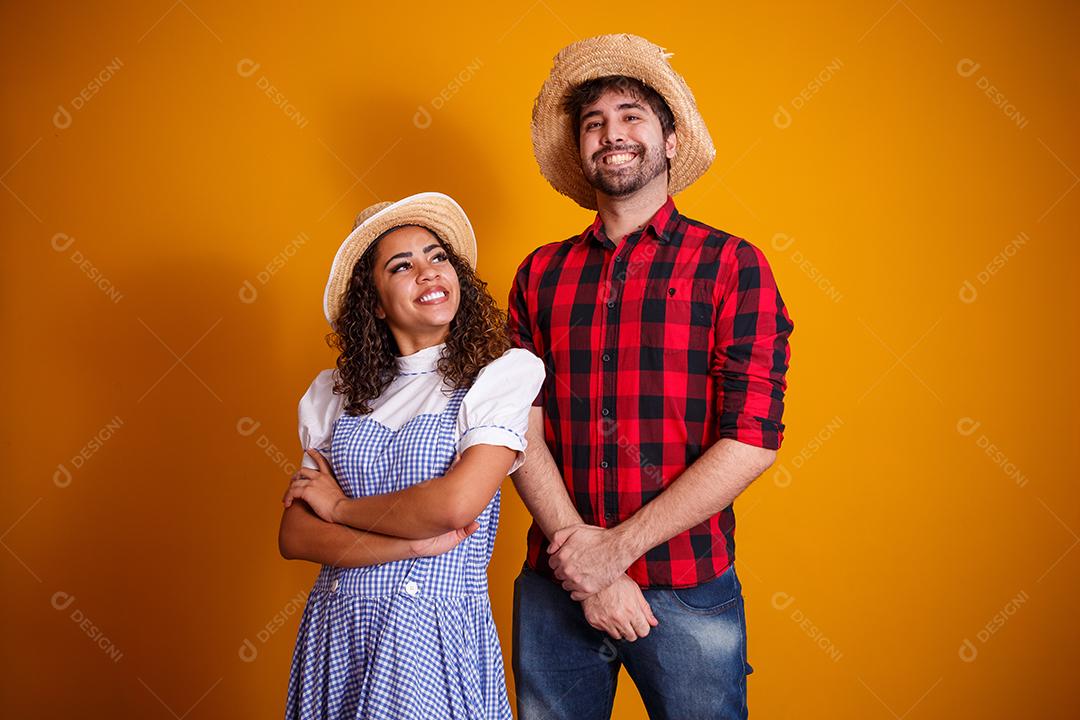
(653, 162)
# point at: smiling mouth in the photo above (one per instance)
(435, 296)
(617, 159)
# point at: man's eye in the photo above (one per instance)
(632, 117)
(590, 126)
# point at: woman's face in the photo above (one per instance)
(417, 287)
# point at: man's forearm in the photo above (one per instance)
(306, 536)
(705, 488)
(540, 485)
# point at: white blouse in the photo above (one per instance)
(494, 411)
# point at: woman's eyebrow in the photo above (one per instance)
(405, 254)
(408, 254)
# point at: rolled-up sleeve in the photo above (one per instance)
(752, 353)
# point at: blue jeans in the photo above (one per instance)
(692, 666)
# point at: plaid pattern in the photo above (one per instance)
(655, 349)
(411, 638)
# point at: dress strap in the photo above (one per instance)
(450, 413)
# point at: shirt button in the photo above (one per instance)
(618, 259)
(605, 412)
(611, 304)
(335, 584)
(609, 516)
(603, 463)
(412, 588)
(606, 357)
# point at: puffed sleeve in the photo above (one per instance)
(319, 409)
(495, 410)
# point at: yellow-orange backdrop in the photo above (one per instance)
(176, 179)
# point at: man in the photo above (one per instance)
(666, 345)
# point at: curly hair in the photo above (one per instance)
(368, 352)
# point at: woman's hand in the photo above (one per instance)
(317, 487)
(430, 547)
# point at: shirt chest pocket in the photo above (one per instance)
(676, 324)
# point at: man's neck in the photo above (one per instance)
(623, 215)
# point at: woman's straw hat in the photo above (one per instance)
(553, 137)
(437, 212)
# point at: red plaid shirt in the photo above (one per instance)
(655, 349)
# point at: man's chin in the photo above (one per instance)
(617, 191)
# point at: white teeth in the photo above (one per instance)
(618, 159)
(433, 296)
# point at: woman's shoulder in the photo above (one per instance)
(323, 383)
(513, 366)
(320, 393)
(514, 371)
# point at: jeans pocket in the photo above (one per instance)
(714, 596)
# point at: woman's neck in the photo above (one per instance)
(410, 343)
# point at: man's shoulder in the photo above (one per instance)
(539, 258)
(696, 231)
(727, 252)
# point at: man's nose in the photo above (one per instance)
(613, 134)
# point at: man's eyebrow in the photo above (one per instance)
(620, 106)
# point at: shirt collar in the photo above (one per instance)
(662, 224)
(421, 361)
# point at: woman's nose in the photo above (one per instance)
(428, 272)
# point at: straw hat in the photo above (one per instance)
(437, 212)
(553, 137)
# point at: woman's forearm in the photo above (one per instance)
(435, 506)
(419, 511)
(305, 536)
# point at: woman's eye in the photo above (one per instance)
(402, 266)
(439, 258)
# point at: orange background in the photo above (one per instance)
(910, 555)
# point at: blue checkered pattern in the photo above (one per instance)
(405, 639)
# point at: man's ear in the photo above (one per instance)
(669, 144)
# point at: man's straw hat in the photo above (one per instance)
(553, 137)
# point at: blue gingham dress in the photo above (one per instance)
(405, 639)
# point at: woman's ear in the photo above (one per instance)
(379, 312)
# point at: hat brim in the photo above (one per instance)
(554, 143)
(437, 212)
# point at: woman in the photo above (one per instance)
(408, 443)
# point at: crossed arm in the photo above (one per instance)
(433, 506)
(322, 525)
(303, 535)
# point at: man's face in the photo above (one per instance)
(621, 144)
